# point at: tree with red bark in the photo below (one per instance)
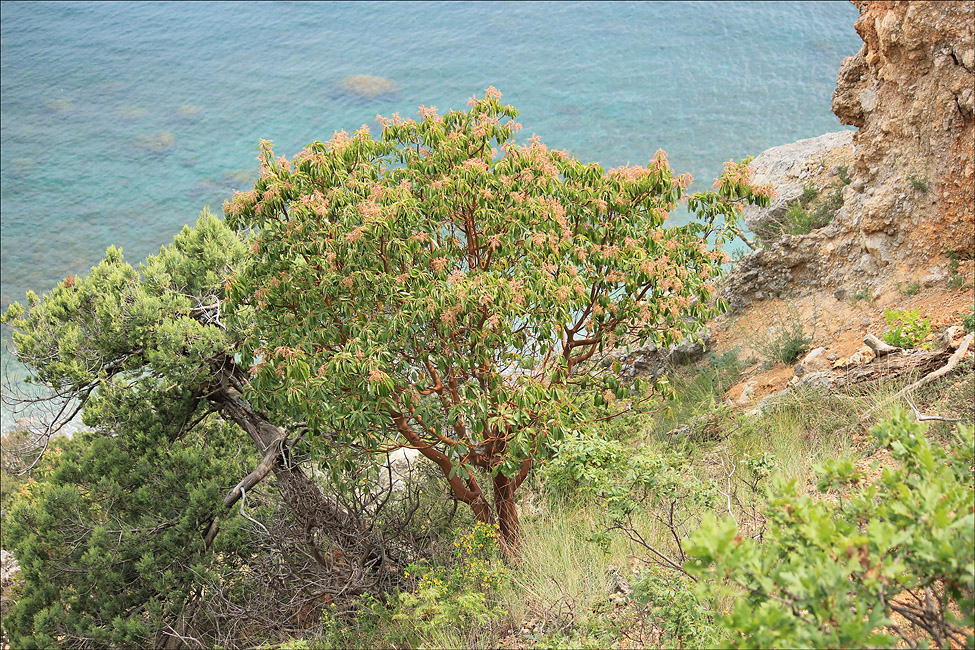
(445, 289)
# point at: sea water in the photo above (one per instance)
(120, 121)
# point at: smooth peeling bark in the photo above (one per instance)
(505, 511)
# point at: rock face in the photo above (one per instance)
(651, 361)
(788, 167)
(910, 90)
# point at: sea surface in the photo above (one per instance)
(121, 120)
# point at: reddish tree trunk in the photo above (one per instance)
(507, 509)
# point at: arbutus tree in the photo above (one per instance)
(445, 289)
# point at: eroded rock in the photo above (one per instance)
(787, 167)
(911, 199)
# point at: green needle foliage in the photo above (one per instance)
(109, 533)
(117, 537)
(442, 287)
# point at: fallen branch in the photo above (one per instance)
(922, 418)
(879, 347)
(931, 376)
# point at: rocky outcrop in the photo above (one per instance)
(910, 92)
(651, 361)
(790, 166)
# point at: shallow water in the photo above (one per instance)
(120, 121)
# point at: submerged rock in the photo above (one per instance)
(60, 105)
(188, 109)
(131, 112)
(157, 142)
(368, 86)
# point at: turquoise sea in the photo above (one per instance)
(120, 121)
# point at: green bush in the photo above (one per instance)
(969, 321)
(912, 288)
(955, 279)
(811, 211)
(907, 328)
(918, 182)
(832, 573)
(461, 597)
(685, 620)
(787, 345)
(543, 253)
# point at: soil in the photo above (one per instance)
(835, 323)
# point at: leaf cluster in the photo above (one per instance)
(833, 573)
(907, 328)
(444, 285)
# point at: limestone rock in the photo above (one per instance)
(936, 275)
(953, 336)
(785, 167)
(815, 361)
(649, 360)
(9, 568)
(747, 391)
(399, 468)
(863, 355)
(912, 193)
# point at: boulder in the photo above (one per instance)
(649, 360)
(786, 167)
(815, 361)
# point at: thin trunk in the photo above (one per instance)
(507, 509)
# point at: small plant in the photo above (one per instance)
(809, 193)
(787, 345)
(843, 172)
(955, 279)
(458, 597)
(912, 288)
(918, 182)
(809, 212)
(684, 620)
(969, 321)
(861, 294)
(907, 328)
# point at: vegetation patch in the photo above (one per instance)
(906, 328)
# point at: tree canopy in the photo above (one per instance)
(442, 287)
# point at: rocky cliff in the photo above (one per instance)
(910, 91)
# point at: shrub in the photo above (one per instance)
(834, 573)
(918, 182)
(912, 288)
(843, 172)
(460, 597)
(685, 620)
(907, 328)
(955, 279)
(109, 535)
(787, 345)
(969, 321)
(809, 212)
